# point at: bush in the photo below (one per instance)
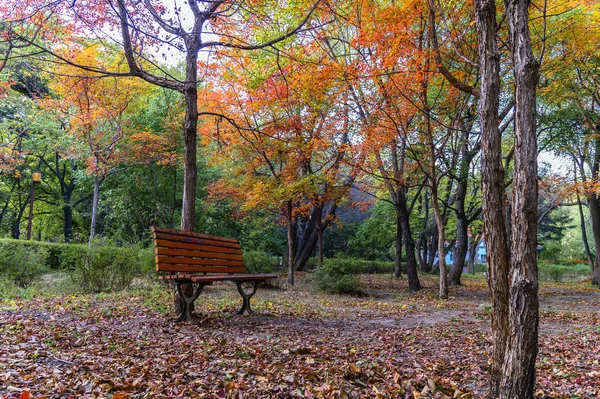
(99, 267)
(559, 272)
(22, 264)
(260, 262)
(333, 278)
(553, 272)
(359, 266)
(103, 268)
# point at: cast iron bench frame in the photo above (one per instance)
(200, 260)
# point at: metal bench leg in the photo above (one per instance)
(246, 297)
(187, 301)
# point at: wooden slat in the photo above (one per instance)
(195, 261)
(180, 276)
(195, 247)
(197, 241)
(169, 267)
(197, 254)
(158, 230)
(234, 277)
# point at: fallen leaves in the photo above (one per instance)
(311, 346)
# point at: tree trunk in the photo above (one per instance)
(588, 252)
(398, 257)
(462, 221)
(16, 225)
(460, 253)
(492, 178)
(95, 207)
(440, 242)
(519, 362)
(594, 207)
(473, 244)
(305, 248)
(188, 206)
(291, 239)
(411, 261)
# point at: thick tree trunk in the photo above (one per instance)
(462, 221)
(68, 225)
(95, 201)
(492, 173)
(460, 253)
(290, 248)
(188, 206)
(398, 257)
(411, 261)
(594, 207)
(588, 252)
(519, 363)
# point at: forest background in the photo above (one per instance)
(336, 131)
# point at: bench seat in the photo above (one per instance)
(200, 260)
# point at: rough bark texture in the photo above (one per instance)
(188, 205)
(409, 246)
(493, 186)
(398, 257)
(519, 363)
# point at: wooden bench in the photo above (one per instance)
(200, 260)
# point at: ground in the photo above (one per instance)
(300, 343)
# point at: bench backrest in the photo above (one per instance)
(187, 252)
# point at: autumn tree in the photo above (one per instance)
(286, 139)
(147, 26)
(570, 95)
(98, 111)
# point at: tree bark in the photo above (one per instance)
(588, 252)
(462, 221)
(443, 292)
(460, 254)
(594, 207)
(492, 179)
(188, 206)
(398, 256)
(409, 246)
(95, 201)
(519, 363)
(291, 233)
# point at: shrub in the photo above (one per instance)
(359, 266)
(22, 264)
(260, 262)
(559, 272)
(333, 278)
(95, 268)
(106, 268)
(553, 272)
